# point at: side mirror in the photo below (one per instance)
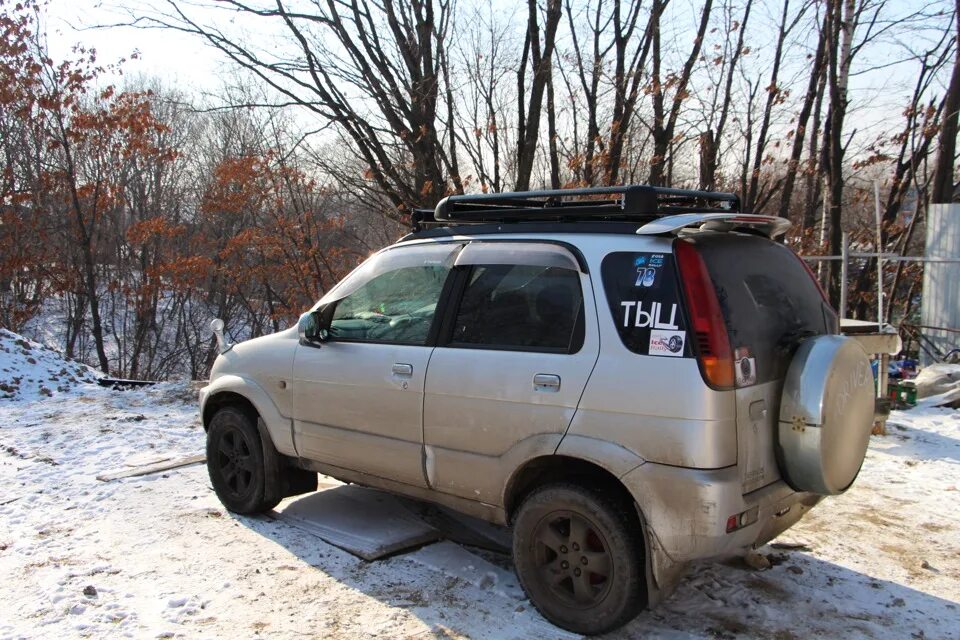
(310, 328)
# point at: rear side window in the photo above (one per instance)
(644, 301)
(520, 307)
(768, 300)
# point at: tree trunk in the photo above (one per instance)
(842, 36)
(85, 237)
(773, 90)
(812, 186)
(542, 61)
(552, 136)
(710, 153)
(665, 124)
(708, 160)
(799, 132)
(942, 190)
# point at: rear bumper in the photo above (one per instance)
(686, 511)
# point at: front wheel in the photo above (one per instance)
(235, 463)
(579, 558)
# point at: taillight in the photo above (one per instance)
(706, 319)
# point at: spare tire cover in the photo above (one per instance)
(826, 415)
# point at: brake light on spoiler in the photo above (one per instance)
(712, 345)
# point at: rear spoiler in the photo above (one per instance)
(770, 226)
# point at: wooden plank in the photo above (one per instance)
(152, 468)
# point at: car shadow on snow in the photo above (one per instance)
(799, 596)
(913, 442)
(471, 595)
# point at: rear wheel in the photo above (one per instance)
(579, 558)
(235, 463)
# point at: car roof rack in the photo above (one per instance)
(634, 203)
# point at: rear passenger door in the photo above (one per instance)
(518, 345)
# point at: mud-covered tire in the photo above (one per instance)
(235, 463)
(579, 557)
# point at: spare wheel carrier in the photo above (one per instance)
(826, 415)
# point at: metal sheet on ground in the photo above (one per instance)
(368, 523)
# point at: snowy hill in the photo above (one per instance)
(31, 371)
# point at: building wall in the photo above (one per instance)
(940, 306)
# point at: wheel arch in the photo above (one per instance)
(223, 399)
(240, 391)
(548, 469)
(286, 477)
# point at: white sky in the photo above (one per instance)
(185, 62)
(182, 58)
(170, 55)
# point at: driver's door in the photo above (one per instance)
(358, 397)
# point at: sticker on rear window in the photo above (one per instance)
(647, 277)
(667, 343)
(644, 303)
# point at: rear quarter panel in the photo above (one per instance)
(657, 407)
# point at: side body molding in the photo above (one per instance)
(279, 427)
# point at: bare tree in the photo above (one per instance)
(539, 57)
(482, 113)
(710, 140)
(814, 85)
(610, 36)
(942, 190)
(843, 16)
(391, 53)
(665, 121)
(775, 95)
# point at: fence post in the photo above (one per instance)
(844, 270)
(876, 192)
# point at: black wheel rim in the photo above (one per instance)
(235, 462)
(572, 558)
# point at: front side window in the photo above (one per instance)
(397, 306)
(520, 307)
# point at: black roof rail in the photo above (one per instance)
(633, 203)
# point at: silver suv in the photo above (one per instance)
(632, 378)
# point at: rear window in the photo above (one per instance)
(768, 300)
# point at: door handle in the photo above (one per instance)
(546, 382)
(402, 369)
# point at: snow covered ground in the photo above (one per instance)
(157, 556)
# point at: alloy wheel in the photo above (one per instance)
(573, 559)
